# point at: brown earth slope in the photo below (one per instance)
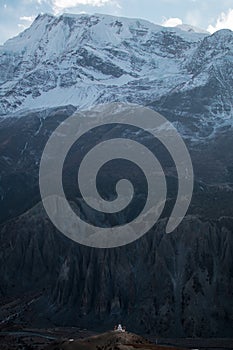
(113, 340)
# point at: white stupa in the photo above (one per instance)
(119, 328)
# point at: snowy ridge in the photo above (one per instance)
(76, 59)
(97, 28)
(83, 60)
(192, 29)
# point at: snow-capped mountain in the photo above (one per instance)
(82, 60)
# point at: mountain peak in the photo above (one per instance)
(43, 15)
(220, 40)
(191, 29)
(222, 33)
(104, 27)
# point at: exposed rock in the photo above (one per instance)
(177, 284)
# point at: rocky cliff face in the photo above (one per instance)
(172, 285)
(177, 284)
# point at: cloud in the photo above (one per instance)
(27, 22)
(61, 5)
(22, 26)
(27, 18)
(224, 21)
(73, 3)
(172, 22)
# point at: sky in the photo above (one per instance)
(16, 15)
